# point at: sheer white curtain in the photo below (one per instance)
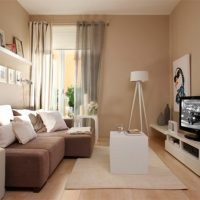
(90, 36)
(58, 80)
(41, 71)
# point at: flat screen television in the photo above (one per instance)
(189, 116)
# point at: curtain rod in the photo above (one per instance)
(73, 23)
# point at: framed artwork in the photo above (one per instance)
(3, 74)
(18, 77)
(19, 46)
(11, 76)
(181, 79)
(2, 38)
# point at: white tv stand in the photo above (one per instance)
(185, 150)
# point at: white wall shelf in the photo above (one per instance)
(7, 54)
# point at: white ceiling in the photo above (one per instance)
(101, 7)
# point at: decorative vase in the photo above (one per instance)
(161, 119)
(92, 112)
(167, 114)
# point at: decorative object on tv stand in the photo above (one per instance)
(19, 46)
(167, 114)
(139, 77)
(172, 126)
(161, 119)
(164, 116)
(181, 79)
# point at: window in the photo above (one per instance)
(64, 50)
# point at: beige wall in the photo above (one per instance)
(134, 43)
(185, 38)
(131, 43)
(14, 21)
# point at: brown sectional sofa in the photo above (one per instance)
(29, 165)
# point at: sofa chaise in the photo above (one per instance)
(30, 165)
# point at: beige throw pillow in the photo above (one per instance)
(22, 118)
(7, 135)
(53, 121)
(37, 123)
(24, 131)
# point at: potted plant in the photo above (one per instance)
(70, 95)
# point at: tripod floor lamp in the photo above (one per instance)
(139, 77)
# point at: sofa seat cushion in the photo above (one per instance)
(61, 133)
(54, 145)
(26, 167)
(80, 145)
(76, 145)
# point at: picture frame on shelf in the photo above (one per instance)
(3, 74)
(11, 76)
(19, 46)
(18, 78)
(2, 38)
(11, 47)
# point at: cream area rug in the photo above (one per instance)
(94, 172)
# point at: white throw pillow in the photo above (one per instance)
(22, 118)
(24, 131)
(7, 135)
(6, 114)
(23, 112)
(53, 121)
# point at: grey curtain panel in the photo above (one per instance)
(89, 45)
(41, 71)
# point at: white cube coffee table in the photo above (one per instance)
(128, 153)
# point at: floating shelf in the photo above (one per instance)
(7, 54)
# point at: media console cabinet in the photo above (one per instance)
(185, 150)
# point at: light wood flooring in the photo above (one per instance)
(54, 188)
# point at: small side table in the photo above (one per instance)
(95, 117)
(128, 153)
(2, 172)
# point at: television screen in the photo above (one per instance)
(190, 114)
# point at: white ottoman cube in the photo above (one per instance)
(2, 172)
(128, 153)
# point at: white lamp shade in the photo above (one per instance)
(139, 76)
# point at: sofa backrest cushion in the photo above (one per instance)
(6, 114)
(37, 123)
(7, 135)
(53, 121)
